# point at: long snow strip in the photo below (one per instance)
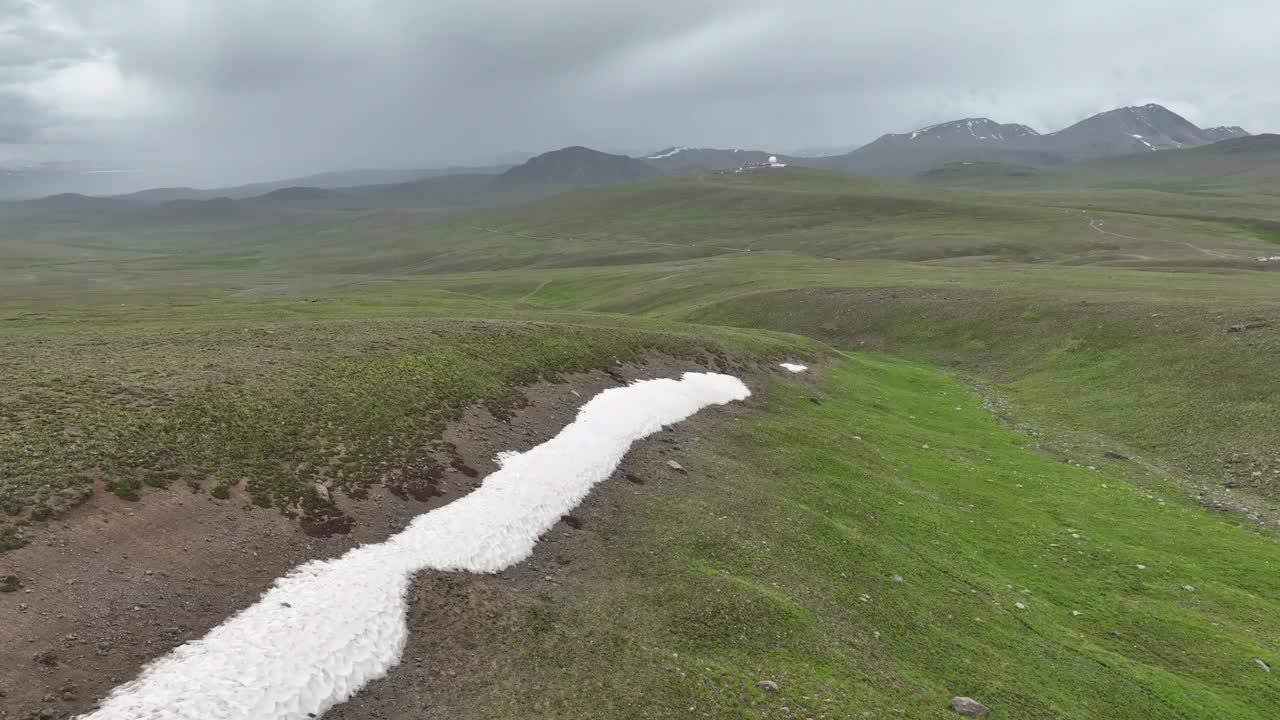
(328, 628)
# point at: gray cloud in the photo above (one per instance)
(20, 120)
(218, 91)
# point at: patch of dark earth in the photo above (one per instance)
(113, 585)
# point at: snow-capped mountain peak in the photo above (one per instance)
(1225, 132)
(972, 130)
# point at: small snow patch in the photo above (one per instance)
(667, 154)
(793, 368)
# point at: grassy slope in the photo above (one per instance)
(183, 252)
(1176, 386)
(278, 403)
(338, 325)
(774, 560)
(1234, 180)
(1168, 379)
(1142, 353)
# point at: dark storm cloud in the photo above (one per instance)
(221, 90)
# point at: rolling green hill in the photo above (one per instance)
(1035, 463)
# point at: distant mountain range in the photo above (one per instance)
(33, 180)
(553, 172)
(1126, 131)
(1116, 133)
(41, 180)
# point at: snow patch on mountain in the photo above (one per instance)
(667, 153)
(981, 129)
(1142, 140)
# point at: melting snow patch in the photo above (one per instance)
(667, 154)
(792, 367)
(328, 628)
(1143, 140)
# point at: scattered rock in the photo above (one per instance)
(1235, 329)
(1262, 664)
(1189, 588)
(1112, 455)
(465, 469)
(1076, 613)
(815, 401)
(1020, 606)
(1115, 633)
(323, 493)
(46, 659)
(634, 479)
(767, 685)
(969, 707)
(677, 467)
(896, 579)
(572, 521)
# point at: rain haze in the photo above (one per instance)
(205, 93)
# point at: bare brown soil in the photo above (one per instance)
(115, 584)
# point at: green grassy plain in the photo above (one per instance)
(269, 347)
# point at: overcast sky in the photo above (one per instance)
(217, 91)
